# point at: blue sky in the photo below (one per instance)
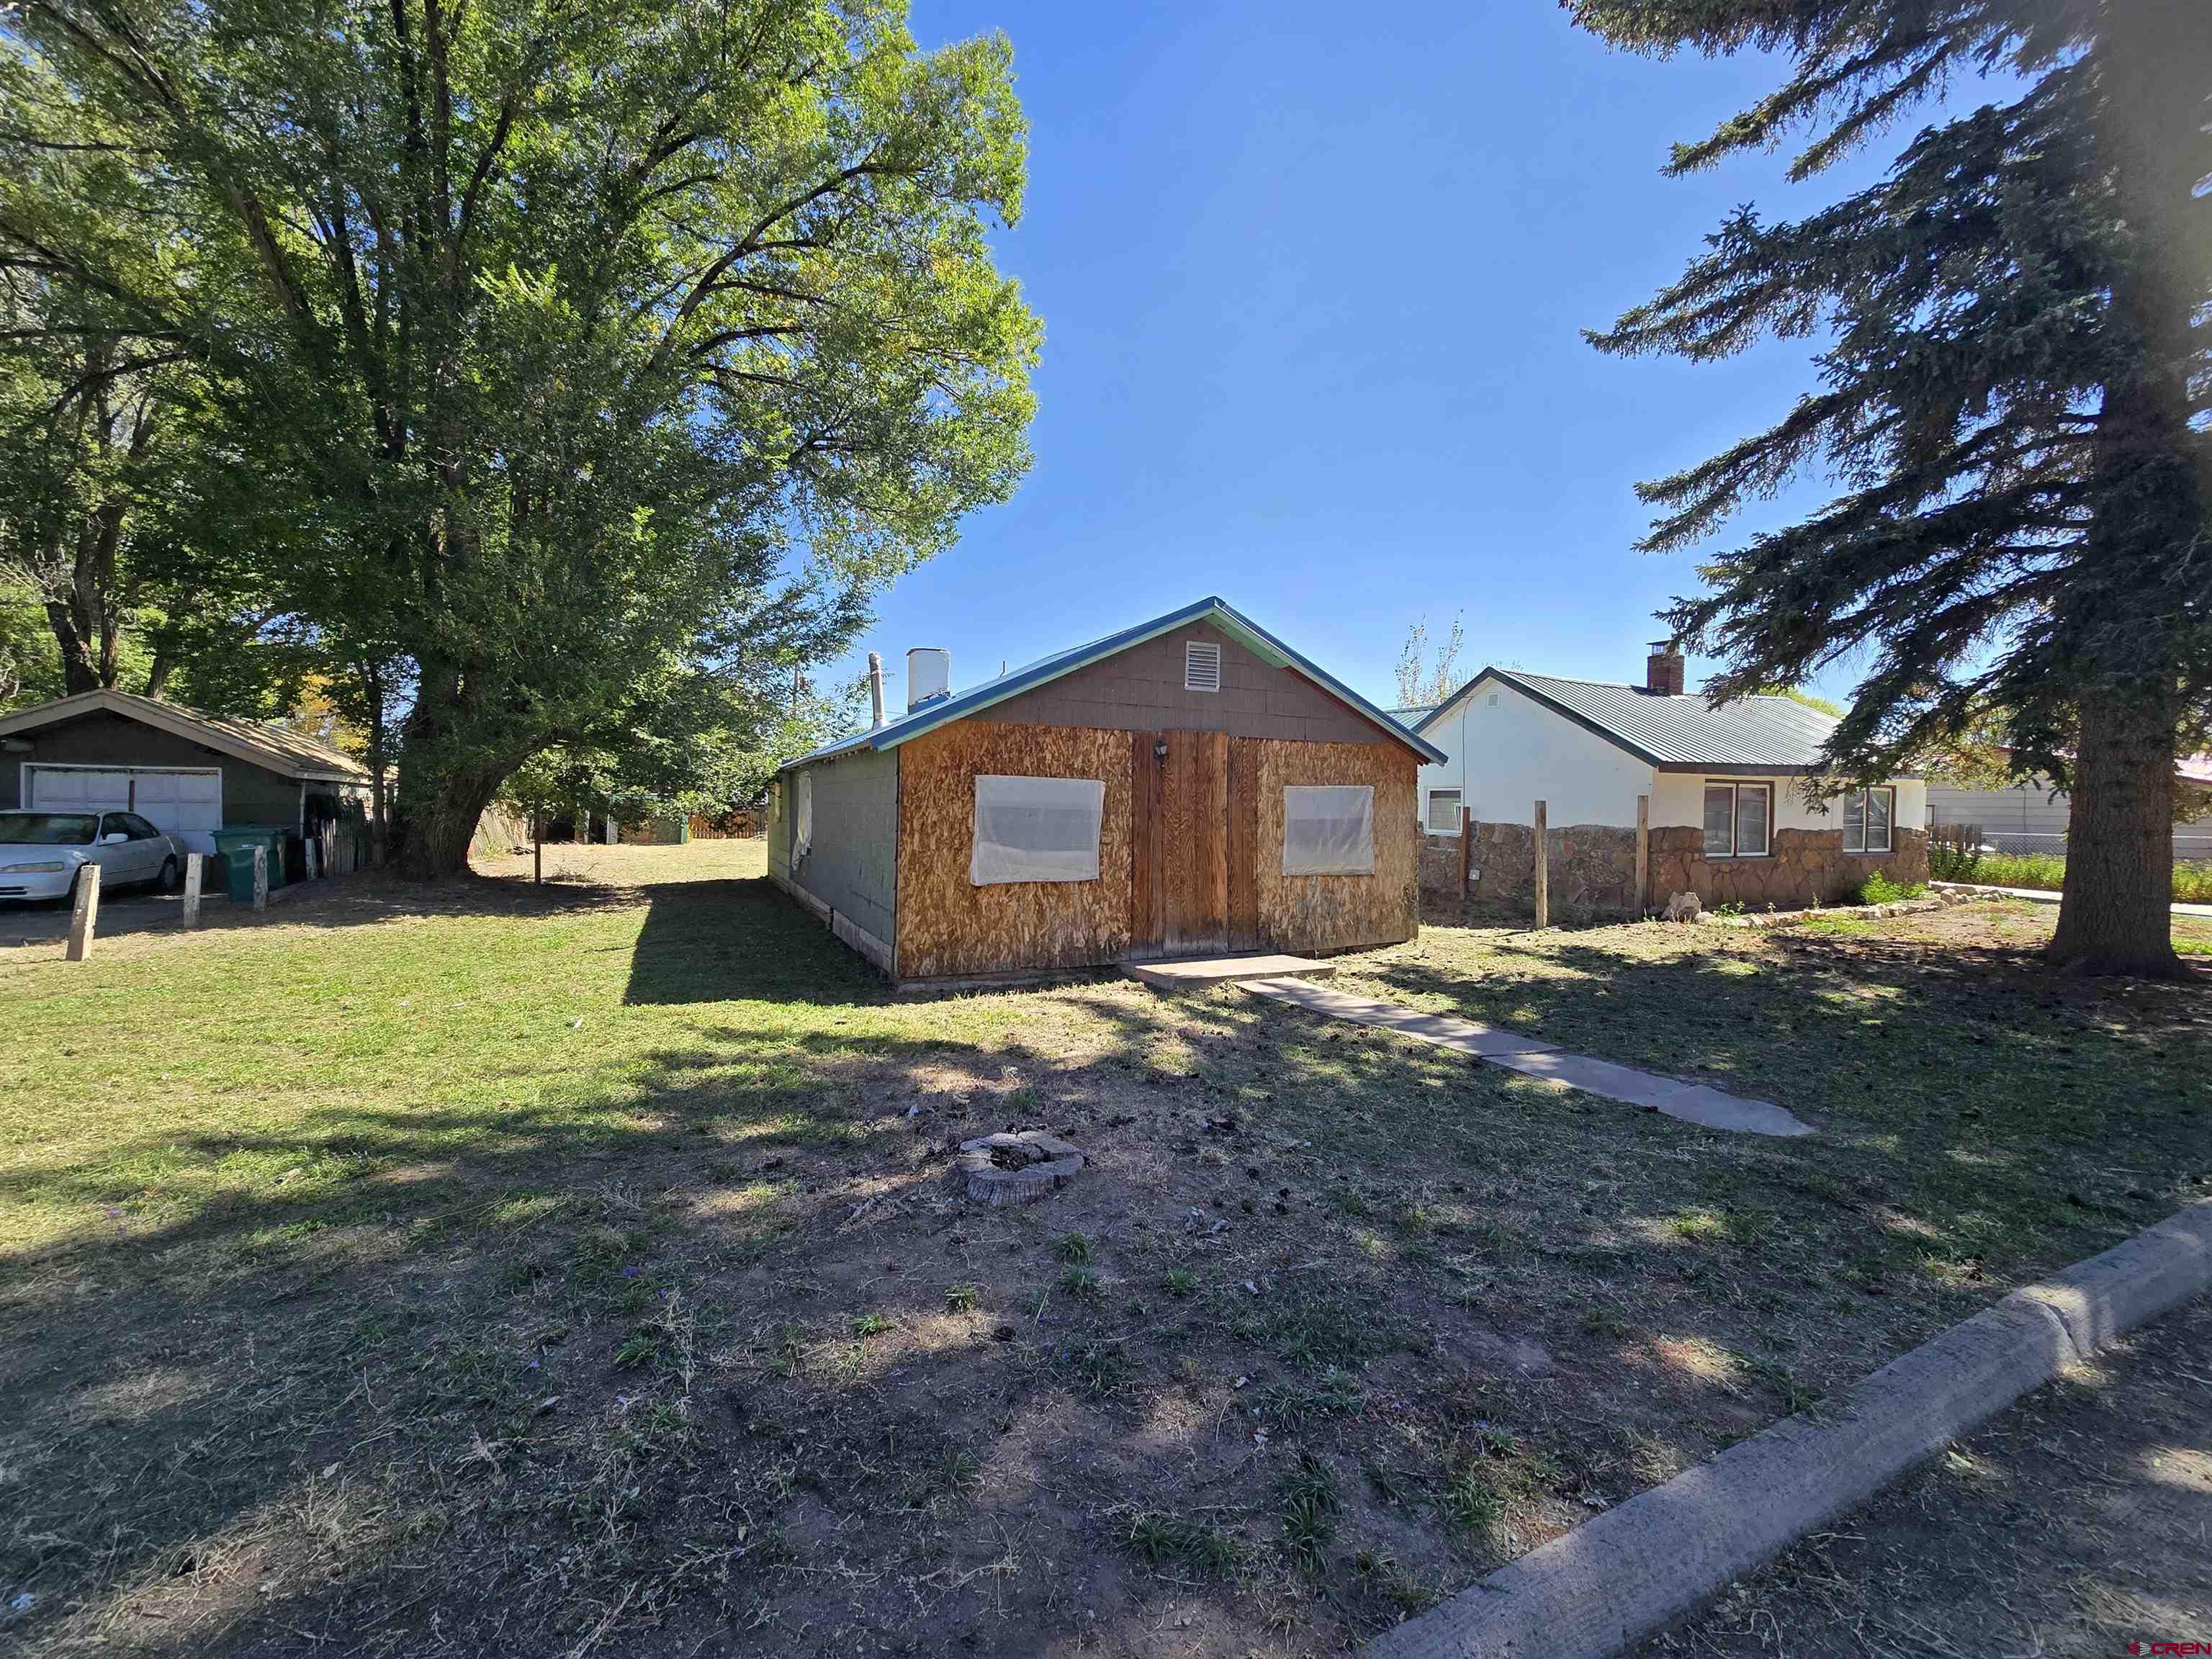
(1311, 280)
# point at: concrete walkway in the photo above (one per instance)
(2045, 895)
(1693, 1102)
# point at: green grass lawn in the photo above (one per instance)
(573, 1270)
(2192, 877)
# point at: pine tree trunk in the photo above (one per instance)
(2154, 65)
(2114, 917)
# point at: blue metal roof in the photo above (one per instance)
(1241, 629)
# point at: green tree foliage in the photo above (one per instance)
(128, 518)
(602, 345)
(2007, 395)
(706, 743)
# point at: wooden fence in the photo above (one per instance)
(341, 847)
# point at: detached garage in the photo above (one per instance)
(1187, 786)
(189, 773)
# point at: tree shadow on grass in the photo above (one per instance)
(175, 1388)
(740, 940)
(502, 1376)
(493, 1374)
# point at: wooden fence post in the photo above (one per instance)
(1466, 849)
(84, 914)
(1643, 853)
(261, 879)
(192, 879)
(1543, 871)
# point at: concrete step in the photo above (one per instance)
(1193, 972)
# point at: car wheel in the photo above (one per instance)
(172, 877)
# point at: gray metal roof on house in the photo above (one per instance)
(1212, 609)
(1685, 732)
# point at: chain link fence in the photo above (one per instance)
(2187, 848)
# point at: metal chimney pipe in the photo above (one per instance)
(875, 689)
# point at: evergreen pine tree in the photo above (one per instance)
(2012, 399)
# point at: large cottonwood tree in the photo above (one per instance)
(604, 340)
(2012, 397)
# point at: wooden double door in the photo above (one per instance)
(1196, 811)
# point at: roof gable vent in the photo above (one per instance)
(1201, 665)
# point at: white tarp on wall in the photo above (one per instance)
(802, 821)
(1036, 830)
(1328, 830)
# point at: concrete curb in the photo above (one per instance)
(1622, 1576)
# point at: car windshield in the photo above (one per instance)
(45, 829)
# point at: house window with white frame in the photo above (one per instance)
(1443, 811)
(1868, 816)
(1739, 820)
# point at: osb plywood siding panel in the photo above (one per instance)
(1140, 690)
(948, 925)
(1340, 912)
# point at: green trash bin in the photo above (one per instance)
(234, 848)
(234, 862)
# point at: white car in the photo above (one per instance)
(40, 853)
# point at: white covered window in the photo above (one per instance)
(1328, 830)
(1443, 811)
(802, 816)
(1739, 820)
(1201, 665)
(1868, 815)
(1036, 830)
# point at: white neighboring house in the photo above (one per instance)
(1728, 814)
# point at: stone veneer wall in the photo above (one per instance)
(1808, 867)
(1593, 869)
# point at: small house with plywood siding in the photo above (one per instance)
(1187, 786)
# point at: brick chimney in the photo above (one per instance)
(1663, 669)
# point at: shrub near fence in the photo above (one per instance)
(1954, 853)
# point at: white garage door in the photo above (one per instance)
(185, 804)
